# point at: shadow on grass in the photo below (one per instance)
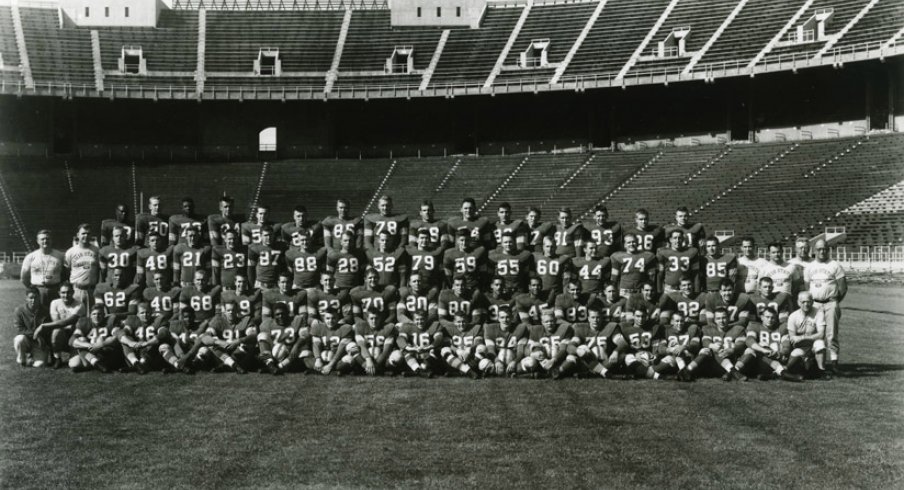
(864, 370)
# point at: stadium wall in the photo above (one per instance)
(738, 108)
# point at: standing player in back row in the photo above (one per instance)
(218, 224)
(152, 222)
(291, 232)
(568, 236)
(478, 227)
(252, 230)
(536, 229)
(607, 234)
(335, 226)
(632, 267)
(395, 225)
(649, 237)
(506, 225)
(718, 266)
(693, 232)
(438, 234)
(120, 213)
(180, 223)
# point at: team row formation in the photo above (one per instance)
(632, 343)
(469, 246)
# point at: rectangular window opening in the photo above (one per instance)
(106, 11)
(458, 11)
(127, 11)
(418, 12)
(439, 11)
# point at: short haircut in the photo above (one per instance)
(726, 282)
(642, 212)
(226, 198)
(469, 200)
(601, 207)
(683, 209)
(505, 205)
(300, 209)
(44, 231)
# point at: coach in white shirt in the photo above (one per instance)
(44, 269)
(825, 280)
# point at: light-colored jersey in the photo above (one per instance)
(783, 276)
(44, 269)
(823, 278)
(60, 311)
(800, 323)
(749, 271)
(84, 265)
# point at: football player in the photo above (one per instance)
(552, 269)
(505, 224)
(425, 261)
(511, 265)
(465, 261)
(806, 330)
(606, 234)
(591, 268)
(595, 343)
(305, 263)
(459, 344)
(289, 233)
(94, 341)
(275, 339)
(767, 298)
(536, 229)
(138, 338)
(265, 260)
(251, 230)
(391, 266)
(219, 223)
(547, 348)
(376, 339)
(396, 225)
(505, 346)
(478, 227)
(120, 220)
(529, 305)
(677, 261)
(644, 300)
(642, 335)
(749, 266)
(152, 222)
(649, 237)
(611, 305)
(679, 345)
(631, 267)
(157, 257)
(231, 338)
(568, 236)
(28, 340)
(190, 257)
(694, 233)
(738, 306)
(439, 237)
(336, 226)
(201, 297)
(418, 345)
(721, 345)
(498, 298)
(571, 305)
(416, 297)
(686, 300)
(118, 296)
(248, 300)
(328, 296)
(346, 264)
(718, 266)
(162, 297)
(768, 345)
(180, 223)
(228, 260)
(179, 342)
(295, 301)
(461, 298)
(372, 295)
(330, 339)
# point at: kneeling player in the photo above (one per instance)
(330, 341)
(94, 340)
(768, 346)
(643, 335)
(547, 345)
(419, 344)
(276, 338)
(680, 345)
(460, 344)
(230, 339)
(504, 346)
(721, 346)
(595, 344)
(376, 339)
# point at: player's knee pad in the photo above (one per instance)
(395, 358)
(582, 351)
(798, 353)
(250, 331)
(204, 352)
(630, 359)
(352, 349)
(505, 356)
(668, 360)
(486, 366)
(750, 352)
(819, 346)
(529, 364)
(164, 349)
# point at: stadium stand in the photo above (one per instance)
(371, 41)
(469, 54)
(842, 12)
(878, 25)
(8, 48)
(749, 32)
(415, 173)
(618, 31)
(560, 25)
(540, 176)
(59, 55)
(170, 47)
(475, 177)
(173, 181)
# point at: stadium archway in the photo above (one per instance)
(266, 140)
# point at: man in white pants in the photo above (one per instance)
(824, 279)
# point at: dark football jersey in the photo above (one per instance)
(376, 339)
(221, 224)
(494, 334)
(347, 268)
(290, 233)
(634, 269)
(249, 304)
(451, 303)
(319, 301)
(161, 301)
(180, 223)
(281, 334)
(152, 261)
(428, 264)
(116, 300)
(94, 332)
(230, 263)
(691, 307)
(204, 303)
(305, 266)
(493, 304)
(766, 337)
(385, 301)
(517, 228)
(272, 297)
(599, 341)
(410, 301)
(592, 272)
(677, 263)
(638, 338)
(712, 334)
(334, 227)
(468, 264)
(479, 227)
(268, 261)
(390, 266)
(536, 234)
(736, 308)
(648, 240)
(781, 302)
(251, 231)
(420, 338)
(143, 331)
(463, 339)
(608, 237)
(717, 268)
(119, 258)
(550, 270)
(673, 337)
(693, 233)
(513, 269)
(395, 225)
(437, 230)
(191, 259)
(224, 330)
(530, 306)
(146, 223)
(568, 239)
(106, 231)
(572, 309)
(550, 342)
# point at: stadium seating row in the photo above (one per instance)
(307, 43)
(772, 191)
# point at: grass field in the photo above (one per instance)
(225, 430)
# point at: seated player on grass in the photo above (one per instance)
(461, 340)
(180, 344)
(594, 343)
(95, 342)
(504, 345)
(680, 344)
(768, 347)
(547, 348)
(722, 344)
(376, 339)
(643, 335)
(418, 347)
(330, 338)
(230, 340)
